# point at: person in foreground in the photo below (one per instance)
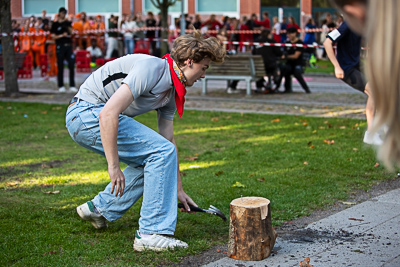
(378, 22)
(99, 118)
(347, 68)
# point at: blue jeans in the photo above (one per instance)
(151, 171)
(129, 45)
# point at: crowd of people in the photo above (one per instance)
(120, 36)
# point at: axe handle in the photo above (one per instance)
(192, 208)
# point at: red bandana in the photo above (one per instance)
(180, 90)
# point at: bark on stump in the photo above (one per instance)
(251, 235)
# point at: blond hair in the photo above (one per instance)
(194, 46)
(383, 70)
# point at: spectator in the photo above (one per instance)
(329, 22)
(270, 55)
(212, 24)
(151, 34)
(188, 23)
(347, 68)
(265, 23)
(51, 53)
(292, 23)
(226, 22)
(128, 28)
(100, 27)
(276, 30)
(61, 31)
(139, 24)
(86, 35)
(283, 30)
(32, 20)
(254, 26)
(112, 41)
(234, 37)
(339, 21)
(244, 36)
(222, 36)
(38, 43)
(309, 39)
(45, 19)
(197, 22)
(105, 104)
(94, 50)
(294, 62)
(25, 40)
(16, 29)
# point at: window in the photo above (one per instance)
(98, 6)
(148, 6)
(211, 6)
(35, 7)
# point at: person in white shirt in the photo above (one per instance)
(128, 28)
(94, 50)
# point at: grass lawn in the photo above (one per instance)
(299, 163)
(323, 67)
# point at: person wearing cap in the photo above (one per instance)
(99, 118)
(61, 31)
(294, 62)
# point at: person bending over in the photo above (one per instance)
(99, 118)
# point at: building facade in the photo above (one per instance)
(232, 8)
(106, 8)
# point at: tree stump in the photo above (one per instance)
(251, 235)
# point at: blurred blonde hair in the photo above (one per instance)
(383, 70)
(194, 46)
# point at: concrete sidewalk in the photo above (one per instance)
(367, 234)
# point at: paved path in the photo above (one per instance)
(367, 234)
(330, 97)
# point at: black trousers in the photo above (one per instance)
(287, 71)
(65, 52)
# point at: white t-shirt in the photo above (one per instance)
(128, 25)
(94, 52)
(148, 77)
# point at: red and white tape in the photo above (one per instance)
(158, 29)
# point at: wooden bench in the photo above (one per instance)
(237, 67)
(19, 60)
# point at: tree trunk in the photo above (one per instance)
(251, 235)
(10, 68)
(163, 5)
(164, 32)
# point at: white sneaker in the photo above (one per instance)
(62, 89)
(232, 91)
(73, 89)
(372, 140)
(156, 243)
(86, 212)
